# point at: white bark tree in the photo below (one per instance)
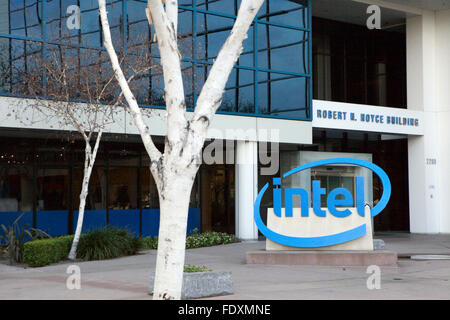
(174, 170)
(78, 94)
(89, 160)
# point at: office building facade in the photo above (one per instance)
(312, 77)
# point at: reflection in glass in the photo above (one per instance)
(16, 189)
(150, 198)
(278, 43)
(52, 189)
(123, 188)
(96, 199)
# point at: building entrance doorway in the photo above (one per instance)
(217, 199)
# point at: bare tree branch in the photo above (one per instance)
(152, 151)
(210, 97)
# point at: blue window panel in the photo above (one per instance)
(54, 222)
(91, 39)
(275, 98)
(288, 49)
(201, 73)
(8, 218)
(247, 57)
(185, 43)
(52, 11)
(150, 222)
(33, 23)
(67, 3)
(89, 20)
(193, 220)
(226, 7)
(17, 21)
(239, 92)
(186, 3)
(212, 32)
(93, 219)
(246, 99)
(16, 4)
(70, 35)
(188, 73)
(289, 12)
(136, 11)
(125, 219)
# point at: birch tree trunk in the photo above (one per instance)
(175, 170)
(174, 208)
(89, 161)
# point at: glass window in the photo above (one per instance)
(277, 42)
(47, 155)
(24, 18)
(195, 194)
(291, 12)
(331, 181)
(239, 92)
(212, 32)
(187, 70)
(217, 189)
(16, 188)
(282, 49)
(149, 196)
(52, 189)
(227, 7)
(356, 65)
(123, 157)
(96, 199)
(276, 98)
(185, 40)
(123, 188)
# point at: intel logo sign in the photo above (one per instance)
(336, 197)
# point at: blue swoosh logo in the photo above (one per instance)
(323, 241)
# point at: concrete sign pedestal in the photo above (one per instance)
(358, 252)
(324, 258)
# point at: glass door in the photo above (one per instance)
(217, 192)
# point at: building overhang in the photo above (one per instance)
(18, 113)
(393, 12)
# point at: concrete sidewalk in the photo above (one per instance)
(126, 278)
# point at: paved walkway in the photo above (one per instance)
(126, 278)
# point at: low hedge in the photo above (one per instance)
(100, 244)
(42, 252)
(107, 243)
(206, 239)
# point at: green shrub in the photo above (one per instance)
(208, 239)
(107, 243)
(39, 253)
(149, 243)
(190, 268)
(195, 240)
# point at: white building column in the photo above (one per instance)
(428, 75)
(246, 180)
